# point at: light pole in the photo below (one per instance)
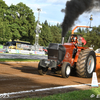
(37, 31)
(38, 9)
(91, 18)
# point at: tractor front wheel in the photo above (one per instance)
(42, 70)
(65, 70)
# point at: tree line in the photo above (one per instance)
(92, 36)
(17, 22)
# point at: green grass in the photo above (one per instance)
(13, 60)
(75, 95)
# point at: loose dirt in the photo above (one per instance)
(24, 76)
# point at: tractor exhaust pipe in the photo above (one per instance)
(63, 40)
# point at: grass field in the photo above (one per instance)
(92, 94)
(13, 60)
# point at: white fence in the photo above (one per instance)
(26, 52)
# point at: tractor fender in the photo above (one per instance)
(97, 61)
(77, 54)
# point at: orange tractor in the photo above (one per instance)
(68, 57)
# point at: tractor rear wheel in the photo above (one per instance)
(86, 63)
(65, 70)
(42, 70)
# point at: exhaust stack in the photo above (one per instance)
(63, 40)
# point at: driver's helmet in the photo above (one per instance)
(75, 39)
(72, 38)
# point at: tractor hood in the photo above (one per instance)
(56, 52)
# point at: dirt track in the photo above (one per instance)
(24, 76)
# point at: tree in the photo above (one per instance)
(93, 38)
(12, 18)
(45, 36)
(56, 34)
(21, 22)
(31, 27)
(46, 23)
(27, 23)
(5, 34)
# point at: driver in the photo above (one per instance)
(72, 38)
(75, 42)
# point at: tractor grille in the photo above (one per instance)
(53, 54)
(56, 52)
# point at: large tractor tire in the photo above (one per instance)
(42, 70)
(65, 70)
(86, 63)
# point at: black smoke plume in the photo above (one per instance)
(97, 5)
(74, 8)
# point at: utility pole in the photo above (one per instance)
(37, 31)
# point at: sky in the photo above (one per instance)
(51, 11)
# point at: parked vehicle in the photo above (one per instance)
(14, 45)
(45, 49)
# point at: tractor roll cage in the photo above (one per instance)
(78, 39)
(79, 26)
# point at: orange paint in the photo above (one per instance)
(79, 26)
(97, 61)
(77, 54)
(90, 62)
(69, 52)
